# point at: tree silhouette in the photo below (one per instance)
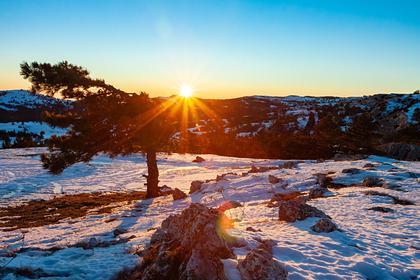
(102, 119)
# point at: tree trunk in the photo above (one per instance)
(153, 175)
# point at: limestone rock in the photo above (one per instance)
(189, 245)
(293, 210)
(178, 194)
(260, 265)
(324, 225)
(196, 186)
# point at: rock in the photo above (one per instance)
(165, 190)
(392, 186)
(372, 181)
(253, 229)
(189, 245)
(395, 199)
(369, 165)
(402, 151)
(381, 209)
(292, 210)
(351, 171)
(261, 169)
(118, 231)
(285, 196)
(226, 205)
(273, 179)
(324, 225)
(178, 194)
(323, 180)
(337, 186)
(402, 201)
(316, 193)
(198, 159)
(196, 186)
(93, 242)
(260, 265)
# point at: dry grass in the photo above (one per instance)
(46, 212)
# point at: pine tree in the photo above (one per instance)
(102, 119)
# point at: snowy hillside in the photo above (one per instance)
(33, 127)
(378, 236)
(13, 100)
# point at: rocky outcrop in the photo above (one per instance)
(196, 186)
(189, 246)
(402, 151)
(178, 194)
(260, 265)
(324, 225)
(293, 210)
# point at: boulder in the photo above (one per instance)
(324, 225)
(317, 192)
(372, 181)
(293, 210)
(351, 171)
(189, 245)
(273, 179)
(178, 194)
(198, 159)
(260, 265)
(196, 186)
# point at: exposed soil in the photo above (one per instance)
(45, 212)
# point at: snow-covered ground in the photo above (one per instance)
(371, 245)
(33, 127)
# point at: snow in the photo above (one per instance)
(10, 100)
(33, 127)
(371, 245)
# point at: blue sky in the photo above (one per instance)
(222, 48)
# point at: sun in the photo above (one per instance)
(186, 91)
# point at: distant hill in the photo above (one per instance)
(265, 126)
